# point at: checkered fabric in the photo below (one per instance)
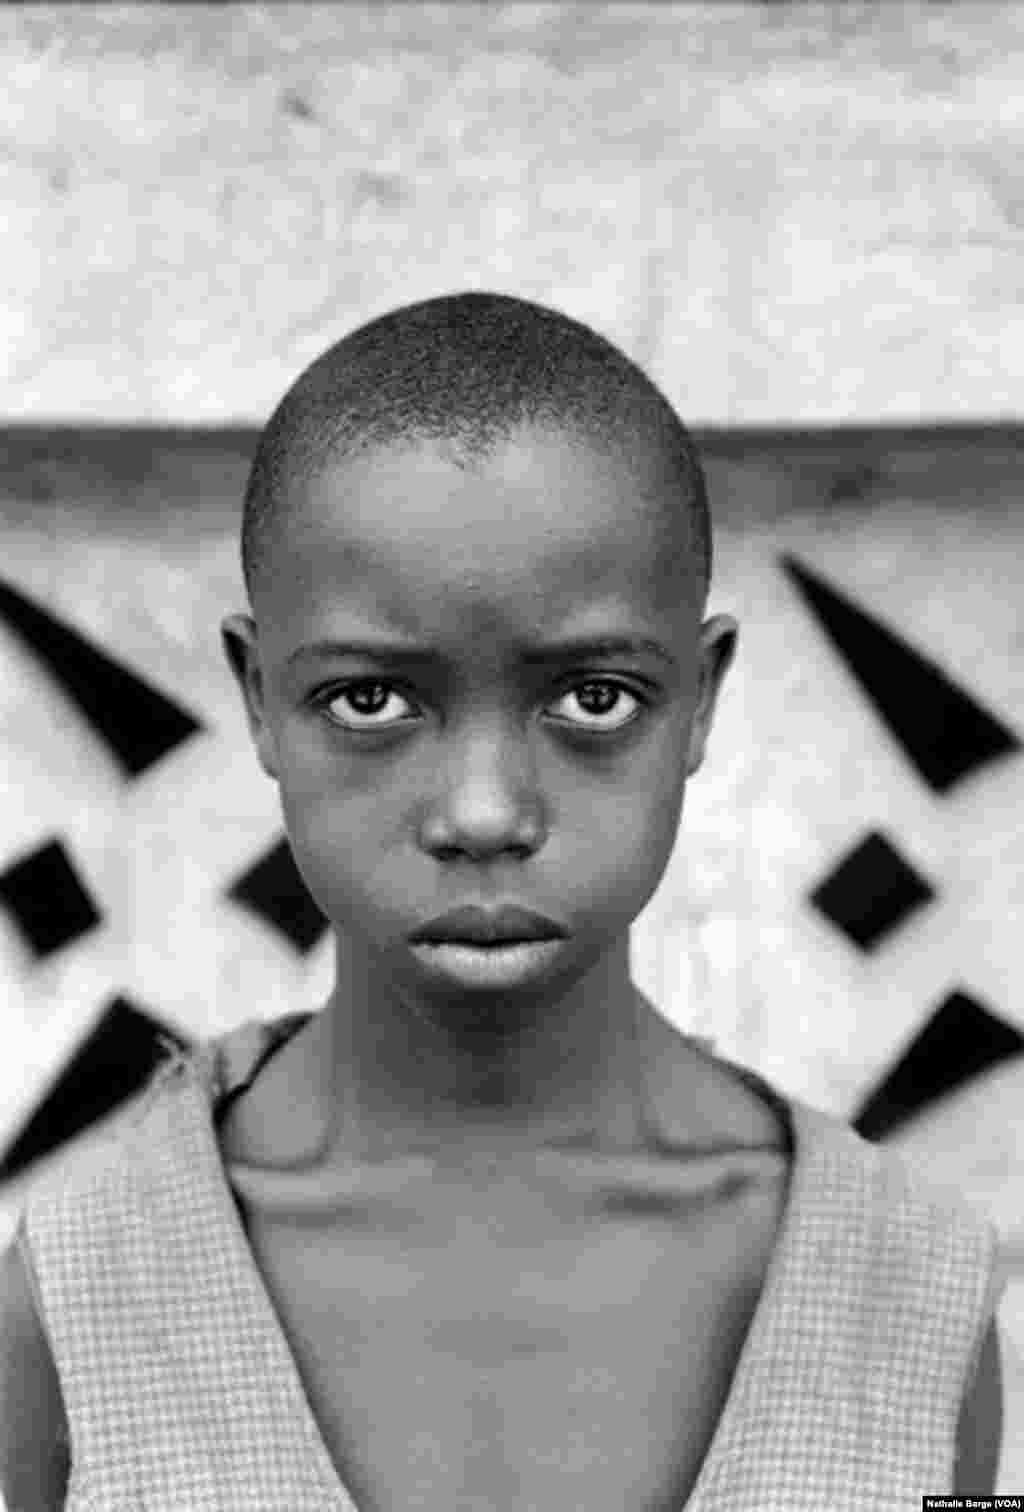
(183, 1396)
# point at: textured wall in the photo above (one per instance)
(789, 211)
(132, 544)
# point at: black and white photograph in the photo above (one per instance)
(512, 756)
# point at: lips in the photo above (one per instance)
(484, 926)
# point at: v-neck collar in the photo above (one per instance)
(214, 1072)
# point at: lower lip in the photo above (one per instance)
(490, 965)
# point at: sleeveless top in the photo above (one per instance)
(182, 1393)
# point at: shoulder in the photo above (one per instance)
(951, 1262)
(34, 1451)
(700, 1100)
(725, 1127)
(35, 1456)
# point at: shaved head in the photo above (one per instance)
(470, 370)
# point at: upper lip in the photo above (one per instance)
(488, 926)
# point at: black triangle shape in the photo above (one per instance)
(941, 729)
(139, 724)
(274, 890)
(960, 1041)
(114, 1063)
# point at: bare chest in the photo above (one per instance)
(524, 1346)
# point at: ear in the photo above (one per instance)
(239, 637)
(718, 639)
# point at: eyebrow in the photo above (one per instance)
(408, 652)
(373, 650)
(599, 646)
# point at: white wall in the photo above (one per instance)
(788, 211)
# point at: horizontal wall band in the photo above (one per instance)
(753, 472)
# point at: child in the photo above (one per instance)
(486, 1232)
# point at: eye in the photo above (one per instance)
(368, 704)
(601, 704)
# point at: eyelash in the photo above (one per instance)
(642, 699)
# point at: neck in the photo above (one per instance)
(396, 1075)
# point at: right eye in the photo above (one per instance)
(368, 704)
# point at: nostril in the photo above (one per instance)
(459, 828)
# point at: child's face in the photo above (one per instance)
(426, 681)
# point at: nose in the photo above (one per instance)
(489, 801)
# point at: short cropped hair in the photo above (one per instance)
(469, 369)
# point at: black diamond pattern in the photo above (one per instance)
(47, 899)
(960, 1040)
(871, 892)
(941, 729)
(138, 724)
(273, 889)
(111, 1066)
(943, 732)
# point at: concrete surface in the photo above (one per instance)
(790, 212)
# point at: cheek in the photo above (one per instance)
(649, 831)
(338, 821)
(326, 789)
(625, 834)
(340, 832)
(666, 791)
(320, 858)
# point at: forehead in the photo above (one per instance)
(539, 528)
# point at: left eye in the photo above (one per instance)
(599, 705)
(369, 705)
